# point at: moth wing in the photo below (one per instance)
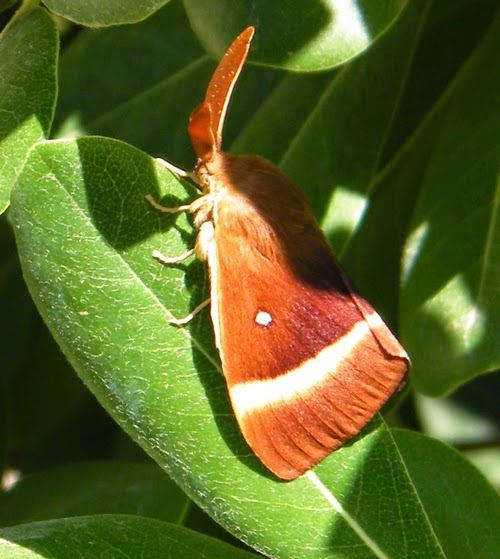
(307, 360)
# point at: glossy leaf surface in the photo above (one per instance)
(294, 35)
(98, 537)
(163, 384)
(94, 13)
(28, 59)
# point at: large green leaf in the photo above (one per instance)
(95, 13)
(108, 537)
(328, 131)
(85, 235)
(449, 313)
(294, 35)
(358, 141)
(153, 59)
(28, 60)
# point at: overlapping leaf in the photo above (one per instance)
(95, 537)
(294, 35)
(94, 13)
(450, 316)
(147, 101)
(28, 59)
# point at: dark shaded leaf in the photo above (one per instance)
(449, 309)
(93, 488)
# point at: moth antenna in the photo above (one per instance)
(207, 120)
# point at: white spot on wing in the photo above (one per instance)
(263, 318)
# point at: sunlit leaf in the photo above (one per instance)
(98, 537)
(85, 235)
(294, 35)
(94, 13)
(28, 59)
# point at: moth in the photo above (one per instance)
(307, 360)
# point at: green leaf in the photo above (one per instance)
(358, 145)
(470, 417)
(106, 537)
(283, 112)
(85, 235)
(93, 488)
(293, 35)
(331, 132)
(152, 55)
(460, 505)
(28, 59)
(95, 13)
(6, 4)
(449, 308)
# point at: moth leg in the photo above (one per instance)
(164, 209)
(156, 253)
(172, 259)
(175, 170)
(186, 319)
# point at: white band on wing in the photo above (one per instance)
(256, 394)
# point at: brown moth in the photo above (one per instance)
(307, 360)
